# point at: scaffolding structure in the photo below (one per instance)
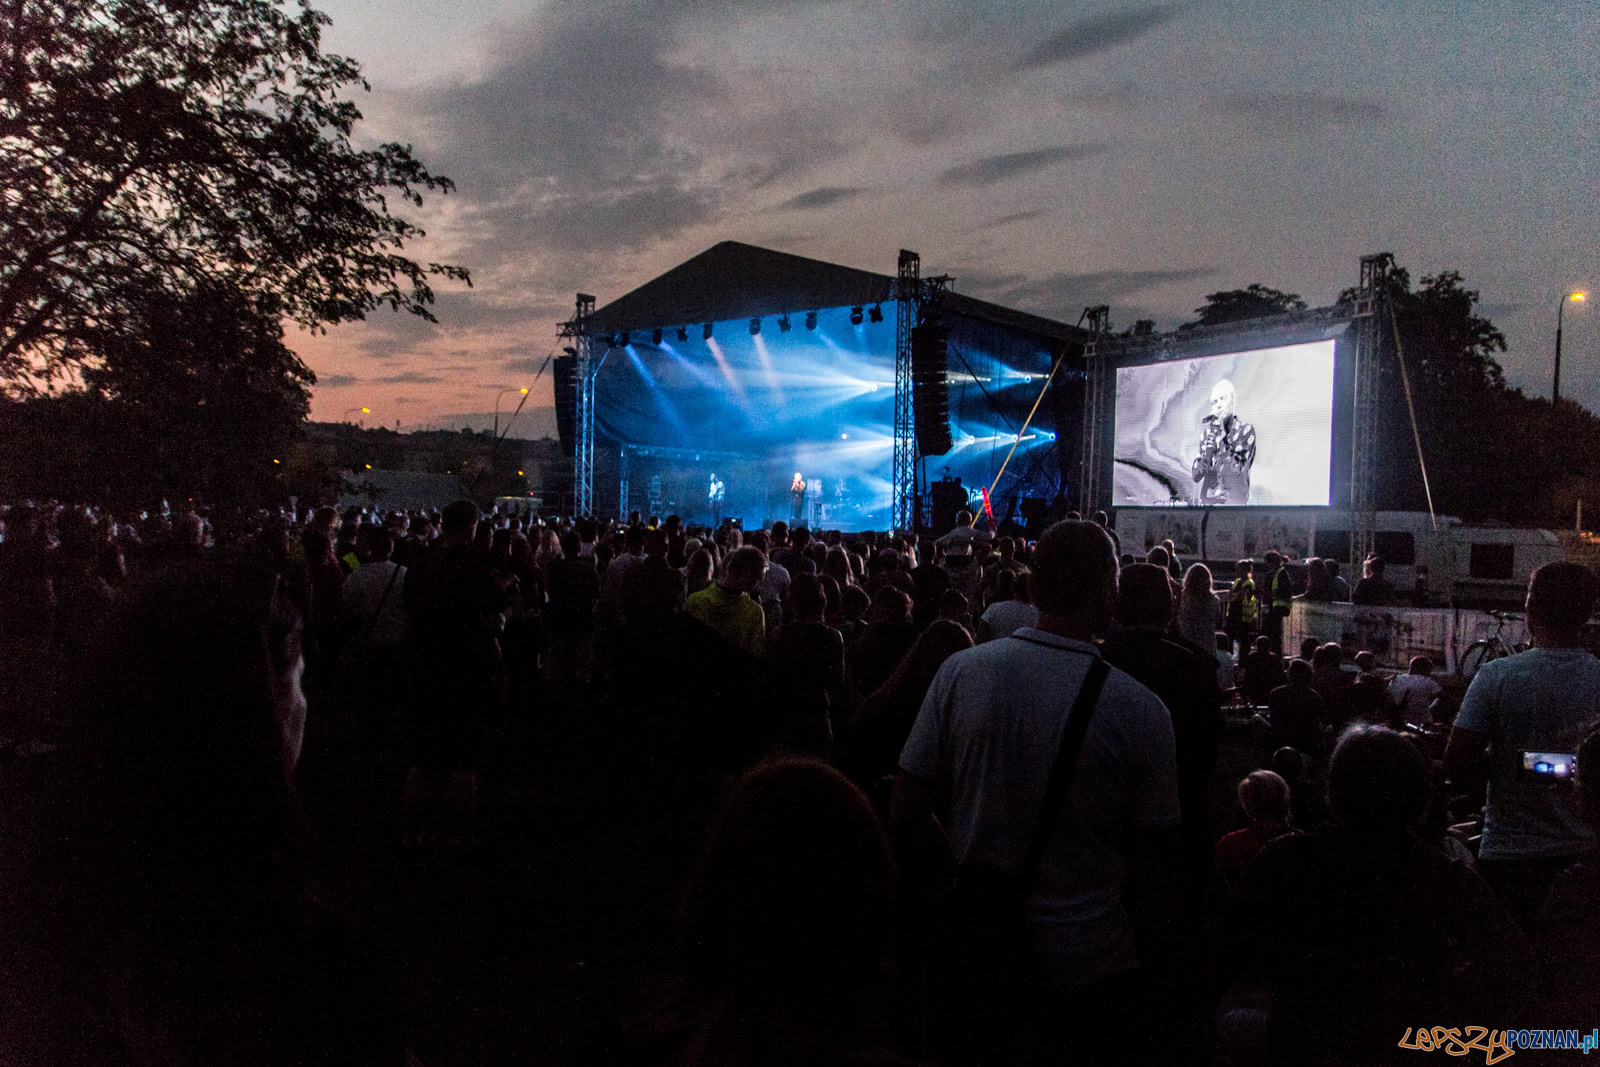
(1370, 297)
(577, 329)
(908, 300)
(1100, 370)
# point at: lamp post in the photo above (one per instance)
(497, 396)
(364, 411)
(1577, 296)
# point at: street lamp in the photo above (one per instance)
(364, 411)
(1577, 296)
(497, 396)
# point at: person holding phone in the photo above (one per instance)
(1539, 704)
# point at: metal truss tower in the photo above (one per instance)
(1370, 306)
(583, 423)
(1100, 370)
(908, 304)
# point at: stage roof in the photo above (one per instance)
(732, 280)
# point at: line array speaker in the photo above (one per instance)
(565, 378)
(930, 388)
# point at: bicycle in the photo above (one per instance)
(1490, 648)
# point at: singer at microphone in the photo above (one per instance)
(1227, 451)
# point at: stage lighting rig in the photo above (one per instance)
(876, 314)
(655, 336)
(619, 339)
(755, 327)
(856, 315)
(705, 332)
(784, 326)
(811, 320)
(683, 333)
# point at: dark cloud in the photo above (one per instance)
(1289, 111)
(1063, 295)
(1118, 96)
(1006, 220)
(991, 169)
(1096, 34)
(586, 139)
(411, 377)
(337, 381)
(823, 197)
(525, 365)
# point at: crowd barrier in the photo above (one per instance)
(1395, 634)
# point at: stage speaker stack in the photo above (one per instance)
(565, 372)
(930, 388)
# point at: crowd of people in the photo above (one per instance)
(955, 799)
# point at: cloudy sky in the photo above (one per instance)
(1048, 155)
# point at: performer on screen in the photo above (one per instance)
(797, 500)
(714, 497)
(1227, 451)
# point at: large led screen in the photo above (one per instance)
(1245, 428)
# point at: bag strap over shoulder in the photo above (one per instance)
(1065, 767)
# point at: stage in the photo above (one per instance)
(762, 369)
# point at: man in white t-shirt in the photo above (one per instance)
(980, 755)
(371, 595)
(1521, 714)
(1412, 694)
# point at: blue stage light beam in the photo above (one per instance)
(764, 354)
(661, 397)
(728, 372)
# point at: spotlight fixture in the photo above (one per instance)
(811, 320)
(705, 331)
(755, 327)
(619, 339)
(876, 314)
(655, 336)
(855, 315)
(783, 324)
(683, 333)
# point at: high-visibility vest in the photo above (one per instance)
(1244, 591)
(1282, 589)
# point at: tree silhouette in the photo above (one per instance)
(1235, 305)
(159, 148)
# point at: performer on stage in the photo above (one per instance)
(714, 497)
(797, 498)
(1227, 451)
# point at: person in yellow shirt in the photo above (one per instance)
(726, 607)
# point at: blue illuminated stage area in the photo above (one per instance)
(795, 379)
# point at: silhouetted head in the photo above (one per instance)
(1075, 575)
(745, 568)
(1264, 796)
(807, 599)
(1144, 597)
(792, 895)
(1561, 598)
(459, 522)
(1197, 581)
(1377, 781)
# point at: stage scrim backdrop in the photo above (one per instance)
(1284, 394)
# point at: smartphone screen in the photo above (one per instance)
(1557, 766)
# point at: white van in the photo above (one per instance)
(1452, 563)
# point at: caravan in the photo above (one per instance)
(1451, 563)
